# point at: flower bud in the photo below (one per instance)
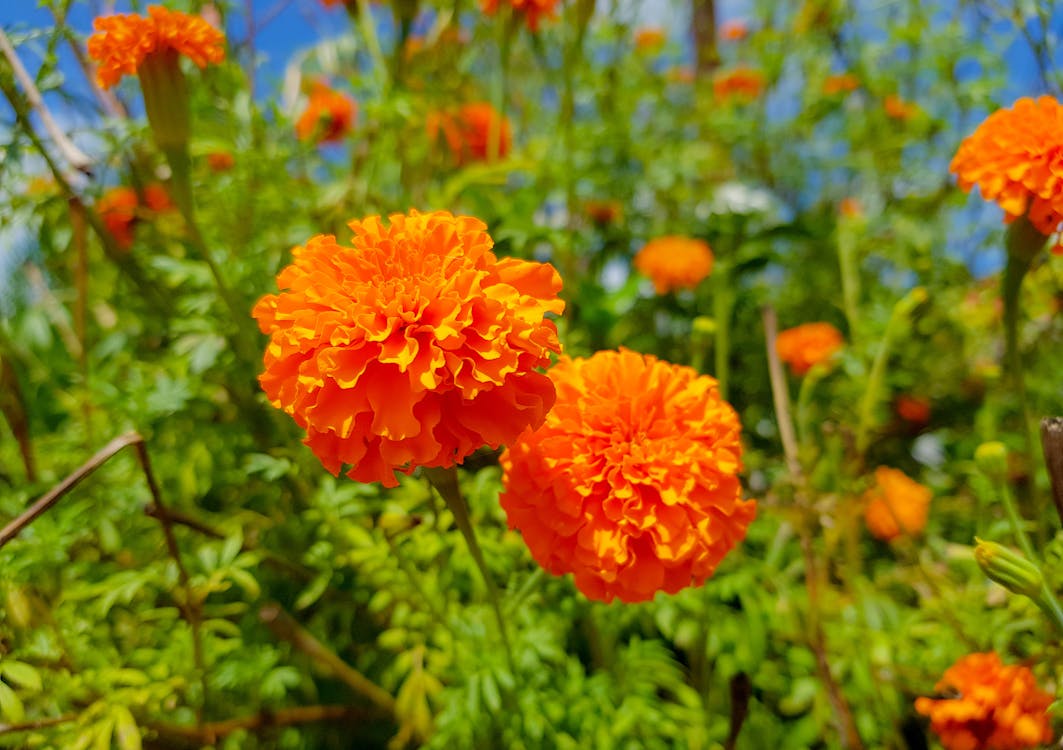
(992, 459)
(1009, 568)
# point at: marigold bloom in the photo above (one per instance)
(631, 483)
(532, 10)
(328, 116)
(118, 211)
(414, 347)
(998, 708)
(157, 199)
(124, 41)
(742, 84)
(468, 132)
(895, 505)
(603, 213)
(914, 409)
(842, 83)
(734, 30)
(898, 108)
(850, 208)
(1016, 159)
(650, 38)
(674, 262)
(807, 345)
(220, 161)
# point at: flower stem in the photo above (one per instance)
(723, 299)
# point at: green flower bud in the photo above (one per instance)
(992, 459)
(1009, 568)
(704, 326)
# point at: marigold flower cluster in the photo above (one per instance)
(118, 209)
(413, 347)
(807, 345)
(468, 132)
(896, 505)
(998, 707)
(631, 484)
(738, 84)
(533, 11)
(675, 262)
(328, 117)
(123, 41)
(1016, 159)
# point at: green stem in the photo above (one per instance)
(1012, 512)
(372, 41)
(850, 279)
(804, 400)
(1050, 606)
(723, 298)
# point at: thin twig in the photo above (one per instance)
(286, 628)
(1052, 445)
(35, 724)
(211, 732)
(781, 395)
(73, 155)
(110, 103)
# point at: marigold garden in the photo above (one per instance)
(531, 374)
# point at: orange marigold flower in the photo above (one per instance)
(414, 347)
(631, 484)
(468, 132)
(807, 345)
(895, 505)
(914, 409)
(532, 10)
(603, 213)
(674, 262)
(734, 30)
(842, 83)
(898, 108)
(328, 116)
(650, 38)
(998, 708)
(1016, 159)
(220, 161)
(118, 211)
(122, 42)
(157, 199)
(742, 84)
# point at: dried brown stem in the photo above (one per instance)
(1052, 445)
(286, 628)
(35, 724)
(211, 732)
(704, 21)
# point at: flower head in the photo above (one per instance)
(328, 116)
(220, 161)
(532, 10)
(1016, 159)
(122, 42)
(807, 345)
(674, 262)
(469, 131)
(998, 707)
(899, 109)
(413, 347)
(740, 84)
(913, 409)
(118, 211)
(841, 83)
(603, 212)
(631, 484)
(734, 30)
(650, 38)
(896, 505)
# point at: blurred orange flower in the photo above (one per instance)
(807, 345)
(650, 38)
(328, 116)
(674, 262)
(742, 84)
(602, 212)
(899, 109)
(896, 505)
(414, 347)
(118, 211)
(850, 208)
(841, 83)
(734, 30)
(122, 42)
(156, 198)
(532, 10)
(914, 409)
(1016, 159)
(998, 707)
(632, 482)
(468, 132)
(220, 161)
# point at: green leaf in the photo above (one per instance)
(21, 674)
(11, 707)
(125, 726)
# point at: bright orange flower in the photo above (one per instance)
(468, 132)
(414, 347)
(896, 505)
(914, 409)
(842, 83)
(998, 707)
(532, 10)
(631, 484)
(734, 30)
(328, 116)
(124, 41)
(807, 345)
(650, 38)
(899, 109)
(742, 84)
(118, 211)
(220, 161)
(157, 199)
(1016, 159)
(674, 262)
